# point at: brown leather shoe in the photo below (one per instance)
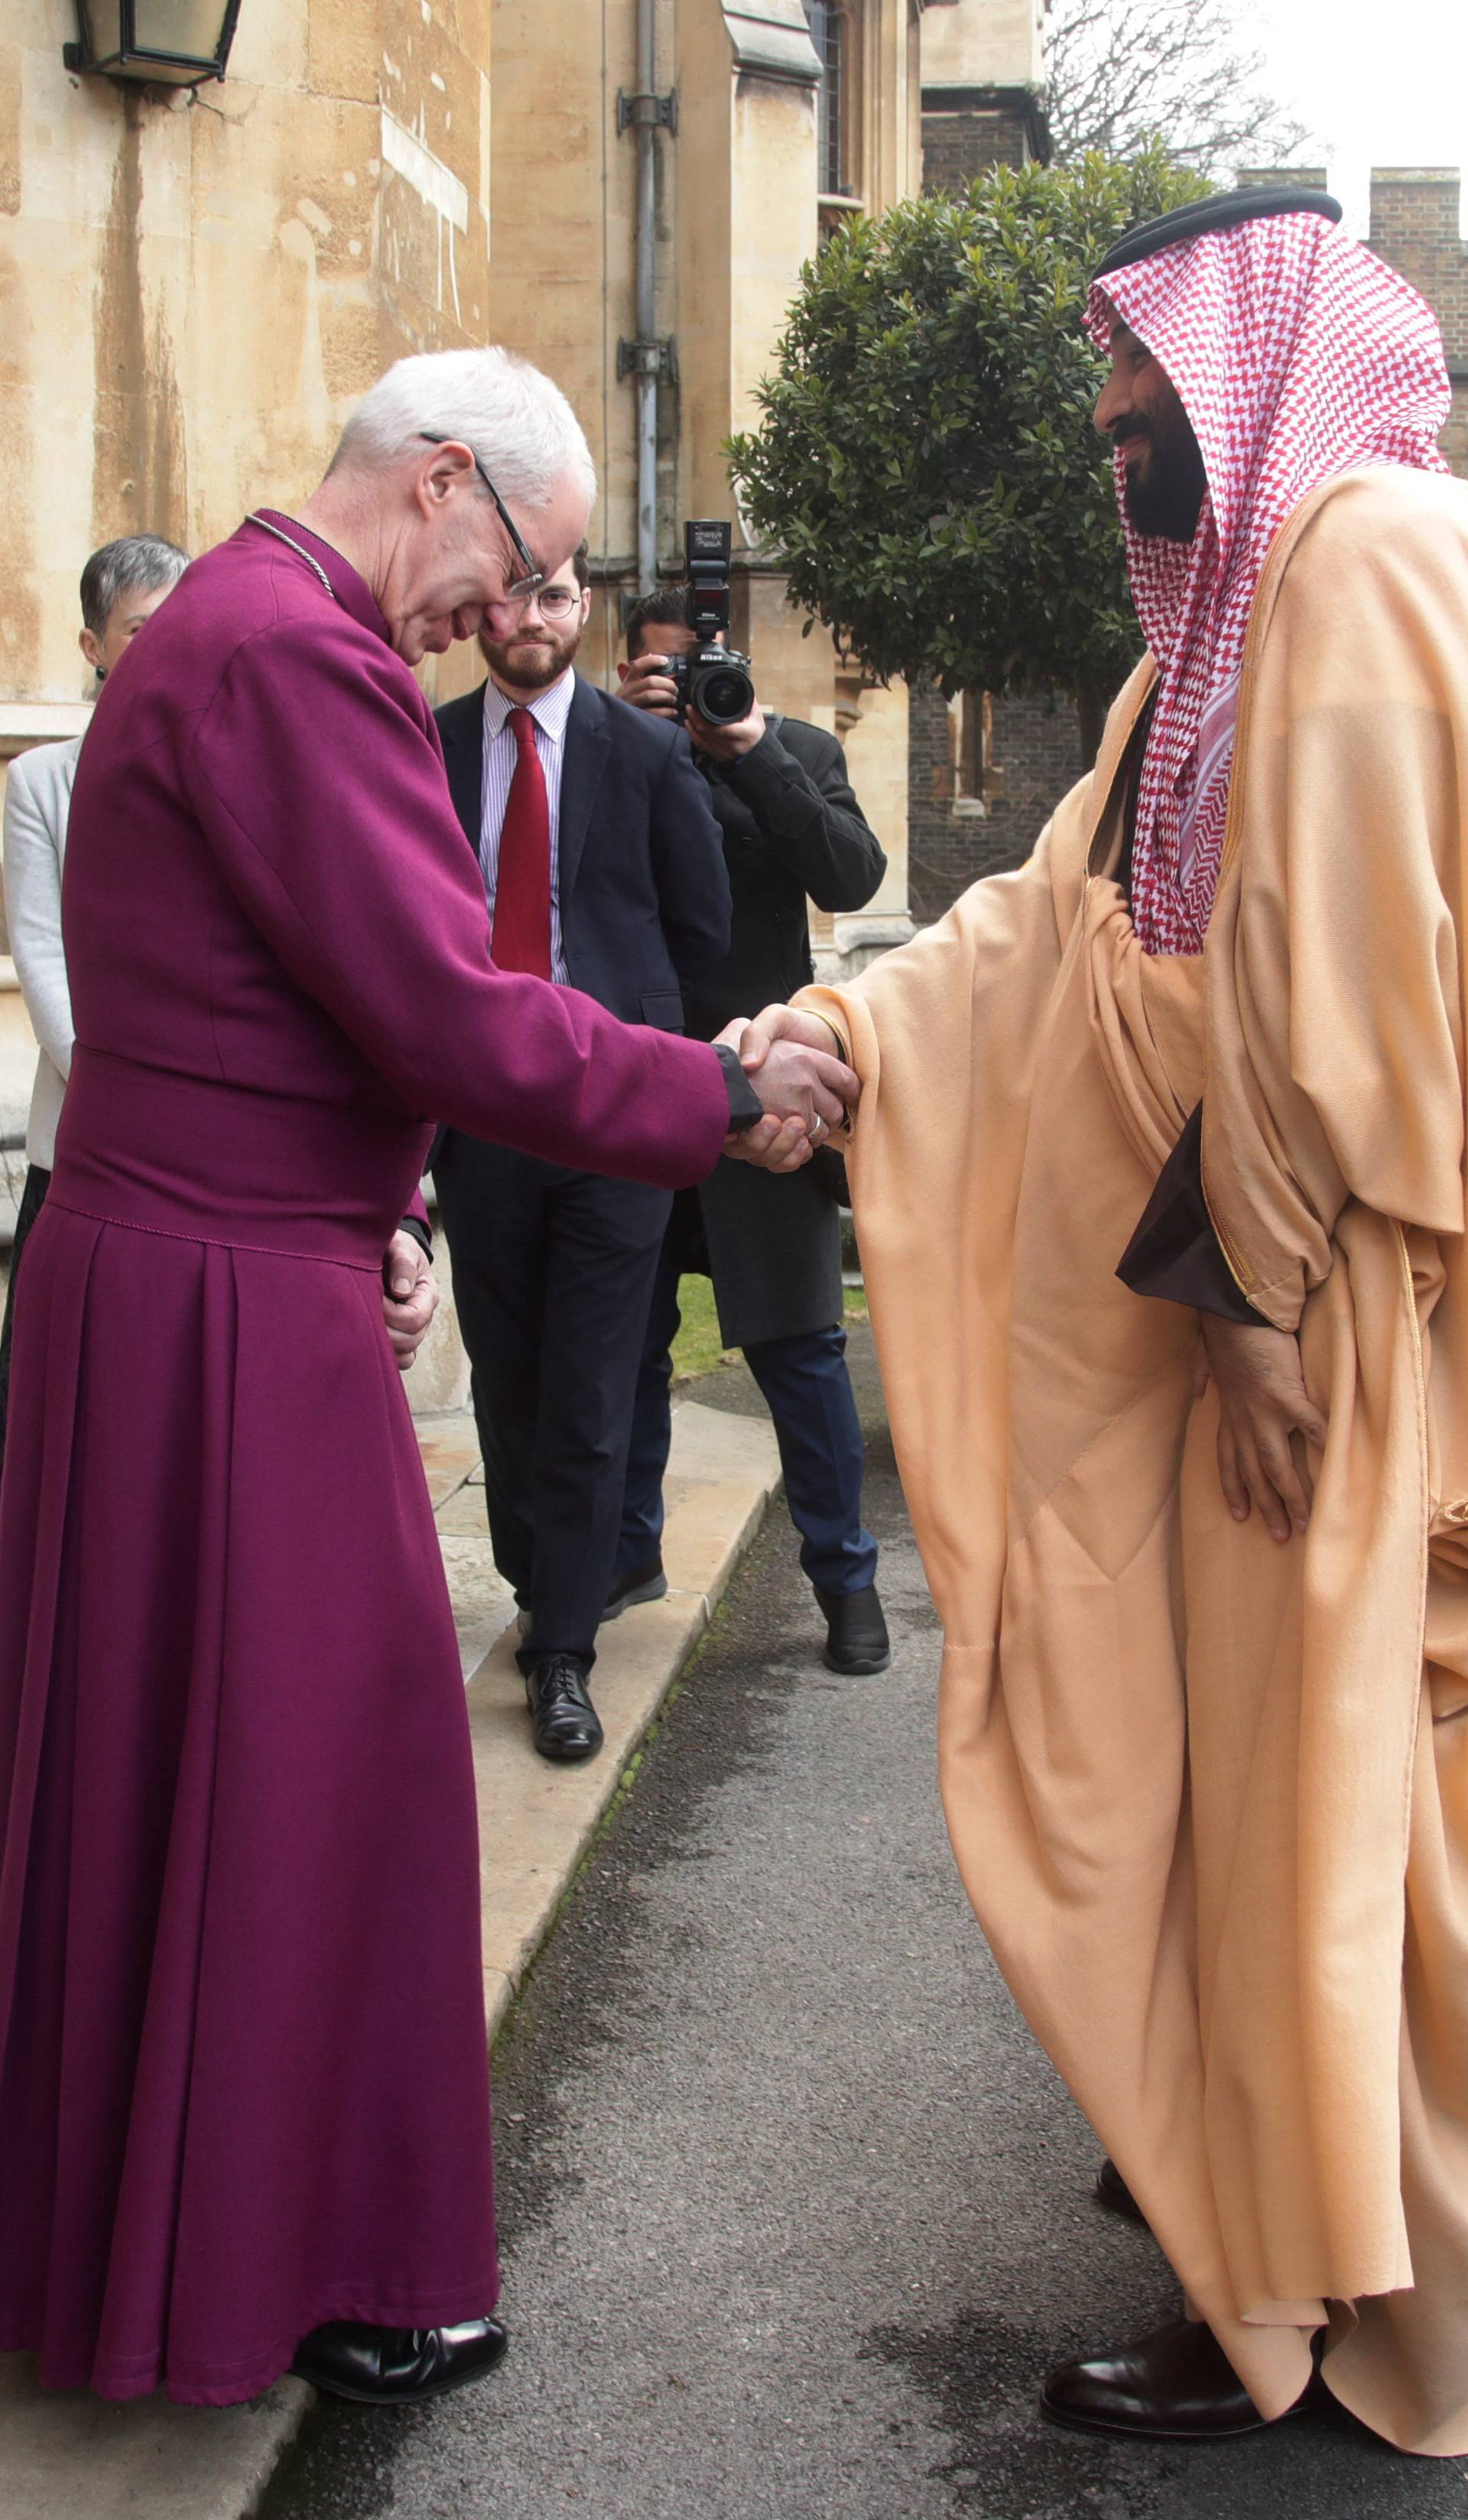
(1176, 2384)
(1112, 2192)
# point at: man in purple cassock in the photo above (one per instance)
(244, 2091)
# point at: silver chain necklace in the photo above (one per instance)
(255, 518)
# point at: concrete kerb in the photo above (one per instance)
(536, 1821)
(66, 2456)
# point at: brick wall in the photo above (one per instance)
(958, 145)
(1032, 756)
(938, 869)
(1414, 226)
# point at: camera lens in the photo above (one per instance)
(725, 695)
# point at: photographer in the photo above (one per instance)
(792, 828)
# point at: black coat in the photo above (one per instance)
(791, 830)
(644, 897)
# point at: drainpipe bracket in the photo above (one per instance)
(647, 359)
(638, 110)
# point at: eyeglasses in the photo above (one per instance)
(524, 587)
(552, 603)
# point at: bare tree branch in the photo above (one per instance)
(1173, 70)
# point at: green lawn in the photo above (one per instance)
(697, 1347)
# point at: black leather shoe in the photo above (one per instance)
(1112, 2192)
(564, 1721)
(1176, 2384)
(856, 1637)
(396, 2366)
(636, 1583)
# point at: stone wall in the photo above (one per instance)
(197, 285)
(1001, 42)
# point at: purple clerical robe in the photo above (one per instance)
(242, 2074)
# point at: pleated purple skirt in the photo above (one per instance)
(243, 2075)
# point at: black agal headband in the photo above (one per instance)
(1217, 210)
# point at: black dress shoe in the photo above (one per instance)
(1112, 2192)
(856, 1637)
(1176, 2384)
(396, 2366)
(636, 1583)
(565, 1723)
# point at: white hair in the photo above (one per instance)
(520, 425)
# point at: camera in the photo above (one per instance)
(718, 682)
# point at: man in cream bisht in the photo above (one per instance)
(1204, 1739)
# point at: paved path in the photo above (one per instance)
(794, 2216)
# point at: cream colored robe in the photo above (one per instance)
(1209, 1794)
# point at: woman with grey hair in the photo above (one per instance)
(123, 586)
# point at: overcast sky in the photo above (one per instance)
(1383, 84)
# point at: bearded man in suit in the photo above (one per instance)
(603, 870)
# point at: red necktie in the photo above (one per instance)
(520, 940)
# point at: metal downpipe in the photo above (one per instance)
(647, 384)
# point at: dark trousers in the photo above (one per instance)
(37, 1183)
(553, 1273)
(808, 1393)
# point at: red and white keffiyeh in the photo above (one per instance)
(1296, 355)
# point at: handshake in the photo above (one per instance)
(793, 1063)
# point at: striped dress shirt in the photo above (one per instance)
(550, 710)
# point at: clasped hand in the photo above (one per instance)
(410, 1296)
(789, 1059)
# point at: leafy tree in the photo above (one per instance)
(1118, 75)
(925, 469)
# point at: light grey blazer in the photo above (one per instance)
(38, 803)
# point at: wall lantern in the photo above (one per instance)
(170, 43)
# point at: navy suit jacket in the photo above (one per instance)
(644, 889)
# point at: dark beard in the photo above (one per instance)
(1168, 500)
(530, 670)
